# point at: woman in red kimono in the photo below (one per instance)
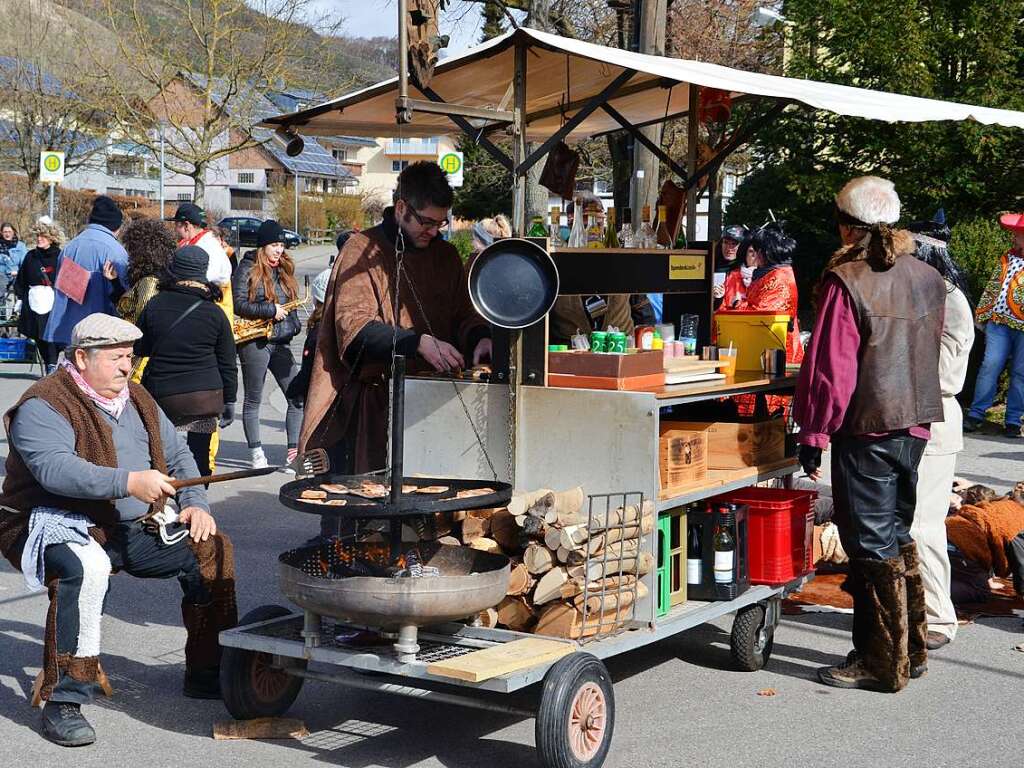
(773, 289)
(769, 251)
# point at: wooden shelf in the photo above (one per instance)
(723, 481)
(742, 383)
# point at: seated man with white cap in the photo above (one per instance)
(90, 467)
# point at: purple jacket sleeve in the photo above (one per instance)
(829, 372)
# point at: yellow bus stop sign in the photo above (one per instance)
(452, 164)
(51, 166)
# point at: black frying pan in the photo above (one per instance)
(513, 283)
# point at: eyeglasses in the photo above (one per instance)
(424, 221)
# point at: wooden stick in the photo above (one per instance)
(572, 536)
(568, 505)
(552, 538)
(488, 618)
(486, 545)
(538, 558)
(550, 586)
(514, 614)
(520, 582)
(474, 528)
(505, 531)
(521, 503)
(640, 565)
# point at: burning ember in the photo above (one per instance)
(334, 558)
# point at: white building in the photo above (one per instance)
(376, 163)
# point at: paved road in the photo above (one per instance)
(678, 702)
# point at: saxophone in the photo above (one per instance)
(248, 329)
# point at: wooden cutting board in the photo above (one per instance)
(501, 659)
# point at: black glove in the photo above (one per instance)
(810, 458)
(228, 415)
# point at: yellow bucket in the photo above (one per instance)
(751, 333)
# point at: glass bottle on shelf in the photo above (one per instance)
(595, 234)
(645, 235)
(681, 240)
(611, 237)
(663, 238)
(537, 228)
(555, 228)
(627, 238)
(578, 234)
(694, 553)
(724, 546)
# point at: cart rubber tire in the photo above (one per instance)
(751, 642)
(576, 715)
(249, 685)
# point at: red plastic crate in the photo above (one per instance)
(780, 526)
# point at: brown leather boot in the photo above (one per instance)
(917, 615)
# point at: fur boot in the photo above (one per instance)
(204, 621)
(885, 643)
(917, 616)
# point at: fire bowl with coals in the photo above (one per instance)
(362, 583)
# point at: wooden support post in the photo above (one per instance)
(644, 191)
(692, 140)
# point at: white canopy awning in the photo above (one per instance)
(561, 69)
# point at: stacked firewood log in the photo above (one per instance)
(571, 576)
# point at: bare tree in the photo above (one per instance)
(198, 79)
(48, 100)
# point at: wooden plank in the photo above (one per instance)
(501, 659)
(260, 728)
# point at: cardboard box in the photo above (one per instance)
(615, 366)
(736, 446)
(682, 457)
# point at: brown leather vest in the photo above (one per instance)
(94, 442)
(899, 315)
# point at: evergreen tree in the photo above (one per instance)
(959, 50)
(494, 21)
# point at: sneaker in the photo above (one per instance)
(64, 724)
(258, 459)
(1012, 431)
(291, 456)
(851, 674)
(972, 424)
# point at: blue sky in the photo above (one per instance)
(373, 18)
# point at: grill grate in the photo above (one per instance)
(430, 651)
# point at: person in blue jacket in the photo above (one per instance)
(12, 251)
(97, 250)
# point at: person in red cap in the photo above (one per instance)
(1001, 311)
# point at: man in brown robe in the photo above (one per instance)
(433, 325)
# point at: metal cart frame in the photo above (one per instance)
(267, 657)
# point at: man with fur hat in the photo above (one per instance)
(90, 464)
(1001, 311)
(84, 258)
(870, 385)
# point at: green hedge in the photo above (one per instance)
(976, 245)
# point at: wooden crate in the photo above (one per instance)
(735, 446)
(682, 456)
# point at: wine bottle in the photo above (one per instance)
(595, 235)
(694, 554)
(611, 237)
(724, 546)
(627, 237)
(663, 238)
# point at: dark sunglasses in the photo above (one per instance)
(424, 221)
